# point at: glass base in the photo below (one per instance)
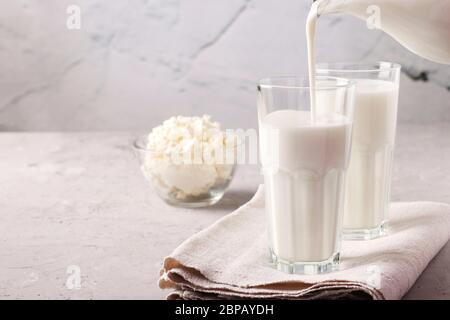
(194, 203)
(365, 234)
(309, 268)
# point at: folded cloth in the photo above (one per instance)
(229, 259)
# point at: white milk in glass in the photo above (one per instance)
(303, 167)
(369, 173)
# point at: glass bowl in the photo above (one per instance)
(182, 180)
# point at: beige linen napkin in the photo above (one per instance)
(230, 259)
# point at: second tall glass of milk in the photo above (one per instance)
(304, 156)
(369, 175)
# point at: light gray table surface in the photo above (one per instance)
(79, 199)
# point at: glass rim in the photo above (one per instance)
(339, 82)
(357, 67)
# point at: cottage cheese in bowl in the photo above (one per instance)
(189, 160)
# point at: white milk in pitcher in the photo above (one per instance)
(421, 26)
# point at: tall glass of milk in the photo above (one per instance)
(304, 156)
(369, 175)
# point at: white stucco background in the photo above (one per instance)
(135, 63)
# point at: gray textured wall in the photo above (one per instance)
(134, 63)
